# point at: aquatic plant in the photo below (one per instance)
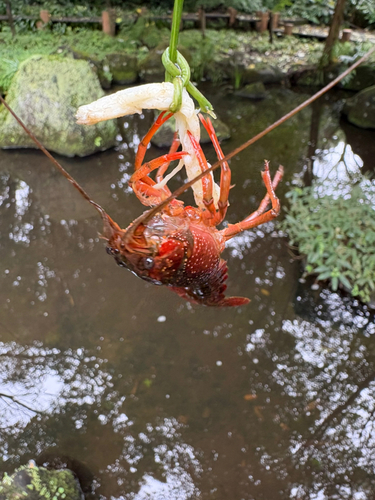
(40, 484)
(336, 235)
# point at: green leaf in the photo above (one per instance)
(335, 283)
(324, 276)
(345, 282)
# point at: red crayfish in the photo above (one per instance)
(180, 246)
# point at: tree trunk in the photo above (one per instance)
(333, 34)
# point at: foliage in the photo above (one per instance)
(337, 236)
(364, 7)
(207, 53)
(94, 44)
(316, 11)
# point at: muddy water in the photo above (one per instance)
(148, 397)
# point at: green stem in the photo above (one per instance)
(176, 20)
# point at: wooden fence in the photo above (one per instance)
(261, 21)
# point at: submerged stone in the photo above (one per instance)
(255, 90)
(307, 76)
(360, 109)
(261, 72)
(37, 483)
(45, 93)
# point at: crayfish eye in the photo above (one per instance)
(148, 262)
(112, 251)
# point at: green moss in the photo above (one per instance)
(38, 483)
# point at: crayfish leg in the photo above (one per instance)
(260, 216)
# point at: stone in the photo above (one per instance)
(261, 72)
(221, 129)
(219, 69)
(360, 109)
(37, 483)
(151, 68)
(254, 90)
(164, 136)
(45, 93)
(360, 79)
(307, 76)
(123, 67)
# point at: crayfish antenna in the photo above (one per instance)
(234, 301)
(109, 226)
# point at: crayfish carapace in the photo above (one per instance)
(171, 244)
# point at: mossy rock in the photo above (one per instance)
(220, 69)
(164, 136)
(37, 483)
(307, 76)
(261, 72)
(45, 93)
(123, 67)
(360, 79)
(255, 91)
(360, 109)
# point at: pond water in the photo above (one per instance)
(146, 396)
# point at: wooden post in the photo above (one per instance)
(270, 28)
(232, 16)
(44, 18)
(346, 35)
(10, 18)
(109, 27)
(288, 29)
(275, 20)
(202, 20)
(262, 24)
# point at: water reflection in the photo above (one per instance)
(156, 398)
(337, 169)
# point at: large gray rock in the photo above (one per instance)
(45, 93)
(360, 109)
(38, 483)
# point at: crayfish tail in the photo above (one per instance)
(211, 292)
